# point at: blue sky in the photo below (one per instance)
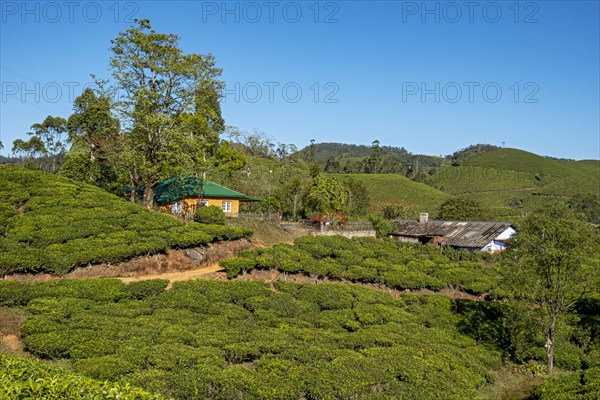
(430, 76)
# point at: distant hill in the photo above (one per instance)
(523, 161)
(326, 151)
(389, 188)
(584, 182)
(469, 152)
(49, 223)
(374, 159)
(512, 181)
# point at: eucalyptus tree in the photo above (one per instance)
(52, 133)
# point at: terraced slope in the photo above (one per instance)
(580, 183)
(52, 224)
(512, 181)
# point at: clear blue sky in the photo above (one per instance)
(420, 75)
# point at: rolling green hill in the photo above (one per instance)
(512, 181)
(580, 183)
(389, 188)
(523, 161)
(505, 192)
(473, 179)
(52, 224)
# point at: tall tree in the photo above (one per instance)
(92, 123)
(164, 106)
(358, 199)
(553, 262)
(373, 162)
(52, 134)
(326, 195)
(30, 150)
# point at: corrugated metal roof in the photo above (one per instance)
(177, 188)
(471, 234)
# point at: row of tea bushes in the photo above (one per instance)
(244, 340)
(22, 379)
(52, 224)
(582, 385)
(369, 260)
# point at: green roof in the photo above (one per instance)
(177, 188)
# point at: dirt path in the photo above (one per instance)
(200, 273)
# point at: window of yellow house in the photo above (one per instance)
(226, 206)
(176, 207)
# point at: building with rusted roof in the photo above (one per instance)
(466, 235)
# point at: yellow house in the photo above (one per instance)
(184, 194)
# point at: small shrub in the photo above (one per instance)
(144, 289)
(210, 215)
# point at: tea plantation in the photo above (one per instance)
(22, 379)
(583, 385)
(369, 260)
(242, 340)
(52, 224)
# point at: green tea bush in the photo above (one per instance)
(143, 289)
(238, 339)
(52, 224)
(210, 215)
(368, 260)
(582, 385)
(28, 379)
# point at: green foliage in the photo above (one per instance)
(162, 141)
(143, 289)
(369, 260)
(509, 327)
(358, 199)
(552, 262)
(22, 378)
(382, 226)
(46, 148)
(326, 195)
(81, 168)
(52, 224)
(236, 339)
(589, 205)
(582, 385)
(399, 210)
(210, 215)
